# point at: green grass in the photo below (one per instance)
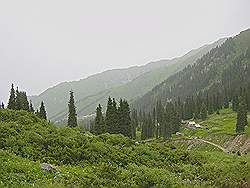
(218, 128)
(85, 160)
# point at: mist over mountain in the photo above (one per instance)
(129, 83)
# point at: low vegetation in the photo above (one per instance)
(83, 159)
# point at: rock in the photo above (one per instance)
(179, 134)
(47, 167)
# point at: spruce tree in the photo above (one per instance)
(72, 116)
(18, 100)
(25, 102)
(12, 99)
(31, 108)
(203, 111)
(241, 116)
(235, 103)
(144, 128)
(124, 121)
(150, 126)
(226, 100)
(111, 117)
(42, 112)
(99, 125)
(134, 122)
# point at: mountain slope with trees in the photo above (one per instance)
(221, 74)
(136, 87)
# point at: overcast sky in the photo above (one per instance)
(46, 42)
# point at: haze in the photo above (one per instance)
(46, 42)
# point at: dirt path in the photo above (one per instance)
(211, 143)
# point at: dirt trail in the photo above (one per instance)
(211, 143)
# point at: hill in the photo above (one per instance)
(218, 129)
(85, 160)
(130, 83)
(224, 69)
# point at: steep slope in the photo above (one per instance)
(224, 67)
(138, 86)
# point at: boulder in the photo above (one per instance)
(47, 167)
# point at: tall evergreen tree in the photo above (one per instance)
(134, 122)
(99, 125)
(72, 116)
(2, 105)
(12, 99)
(18, 100)
(31, 108)
(25, 102)
(144, 128)
(235, 103)
(42, 112)
(111, 117)
(241, 116)
(203, 111)
(226, 100)
(124, 121)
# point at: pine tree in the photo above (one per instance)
(18, 100)
(111, 119)
(25, 102)
(2, 105)
(134, 122)
(150, 126)
(144, 128)
(241, 116)
(42, 113)
(210, 106)
(31, 109)
(99, 125)
(226, 100)
(72, 116)
(235, 103)
(203, 111)
(124, 121)
(156, 128)
(12, 99)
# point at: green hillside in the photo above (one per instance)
(223, 69)
(84, 160)
(218, 129)
(56, 98)
(135, 88)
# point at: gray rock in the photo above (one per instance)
(47, 167)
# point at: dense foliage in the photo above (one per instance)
(116, 121)
(105, 160)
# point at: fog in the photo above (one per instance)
(43, 43)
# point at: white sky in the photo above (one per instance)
(46, 42)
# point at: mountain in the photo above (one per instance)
(56, 98)
(225, 69)
(130, 83)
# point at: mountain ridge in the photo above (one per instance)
(131, 85)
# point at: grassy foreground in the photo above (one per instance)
(84, 160)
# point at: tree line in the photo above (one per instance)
(117, 119)
(18, 100)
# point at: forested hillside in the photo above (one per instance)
(128, 83)
(221, 72)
